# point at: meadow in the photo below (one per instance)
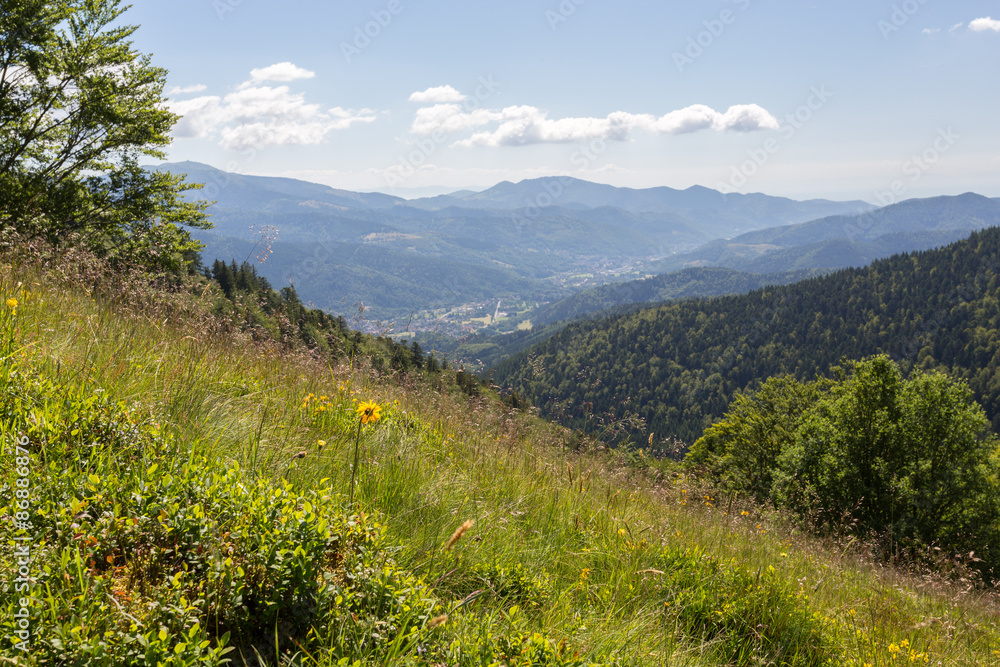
(193, 498)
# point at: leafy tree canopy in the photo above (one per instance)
(79, 108)
(907, 459)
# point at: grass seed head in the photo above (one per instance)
(459, 532)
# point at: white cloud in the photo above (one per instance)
(255, 116)
(178, 90)
(984, 24)
(746, 118)
(524, 125)
(437, 95)
(956, 26)
(930, 31)
(281, 72)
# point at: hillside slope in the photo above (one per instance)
(678, 366)
(194, 493)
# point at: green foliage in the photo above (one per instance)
(150, 554)
(742, 449)
(906, 459)
(749, 618)
(903, 458)
(78, 110)
(511, 584)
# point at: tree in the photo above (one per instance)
(79, 108)
(742, 449)
(903, 458)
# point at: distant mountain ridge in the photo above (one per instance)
(842, 241)
(695, 204)
(535, 241)
(238, 191)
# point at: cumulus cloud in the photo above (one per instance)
(984, 24)
(438, 94)
(256, 116)
(178, 90)
(280, 72)
(524, 125)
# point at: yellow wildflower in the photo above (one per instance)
(369, 412)
(12, 303)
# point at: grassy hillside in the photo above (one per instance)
(189, 492)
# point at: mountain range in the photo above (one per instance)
(528, 242)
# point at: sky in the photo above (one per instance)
(840, 99)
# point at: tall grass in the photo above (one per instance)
(591, 547)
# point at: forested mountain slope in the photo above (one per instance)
(679, 365)
(684, 284)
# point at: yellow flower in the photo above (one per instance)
(369, 412)
(12, 303)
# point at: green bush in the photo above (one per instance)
(908, 460)
(512, 584)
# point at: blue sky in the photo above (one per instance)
(840, 99)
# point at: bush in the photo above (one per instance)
(907, 459)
